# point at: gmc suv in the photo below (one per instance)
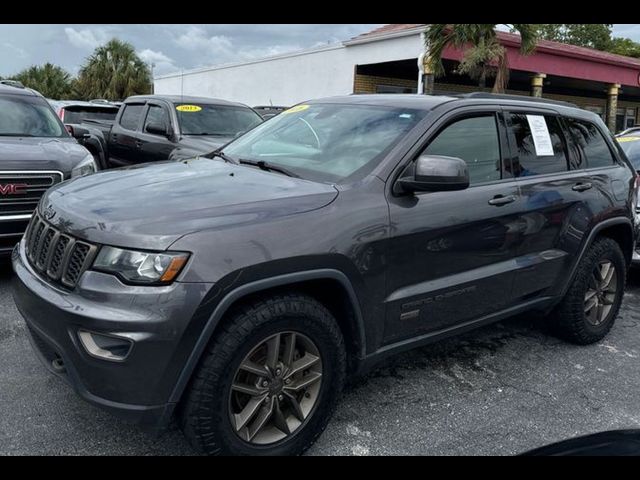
(238, 290)
(36, 152)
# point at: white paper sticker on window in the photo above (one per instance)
(540, 134)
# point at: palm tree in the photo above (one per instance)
(483, 54)
(50, 80)
(114, 71)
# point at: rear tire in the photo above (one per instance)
(591, 305)
(211, 414)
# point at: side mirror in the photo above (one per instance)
(157, 129)
(435, 173)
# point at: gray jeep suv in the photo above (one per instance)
(237, 290)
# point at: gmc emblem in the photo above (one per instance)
(13, 188)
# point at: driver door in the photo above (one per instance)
(452, 253)
(154, 147)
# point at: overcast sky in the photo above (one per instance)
(175, 47)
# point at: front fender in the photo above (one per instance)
(235, 294)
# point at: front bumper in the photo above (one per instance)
(12, 227)
(155, 319)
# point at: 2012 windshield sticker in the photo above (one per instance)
(188, 108)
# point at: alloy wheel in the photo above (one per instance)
(601, 292)
(275, 388)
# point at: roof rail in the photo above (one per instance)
(521, 98)
(12, 83)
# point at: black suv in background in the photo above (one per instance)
(36, 152)
(239, 289)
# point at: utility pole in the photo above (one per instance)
(153, 83)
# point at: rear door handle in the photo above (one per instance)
(581, 187)
(500, 200)
(139, 143)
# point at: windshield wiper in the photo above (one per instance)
(262, 165)
(223, 156)
(206, 134)
(16, 135)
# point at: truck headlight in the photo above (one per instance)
(145, 268)
(85, 167)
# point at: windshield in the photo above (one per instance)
(630, 144)
(326, 142)
(27, 116)
(222, 120)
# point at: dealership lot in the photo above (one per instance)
(500, 390)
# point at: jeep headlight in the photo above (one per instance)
(85, 167)
(145, 268)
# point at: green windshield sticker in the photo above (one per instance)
(627, 139)
(298, 108)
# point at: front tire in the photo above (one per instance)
(591, 305)
(269, 381)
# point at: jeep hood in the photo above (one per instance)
(151, 206)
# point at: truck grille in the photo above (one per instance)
(20, 192)
(55, 255)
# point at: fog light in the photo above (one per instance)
(105, 347)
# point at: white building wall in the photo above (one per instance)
(291, 78)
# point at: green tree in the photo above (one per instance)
(483, 57)
(594, 35)
(625, 46)
(50, 80)
(113, 71)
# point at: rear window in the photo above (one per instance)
(80, 114)
(28, 116)
(131, 116)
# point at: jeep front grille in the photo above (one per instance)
(57, 256)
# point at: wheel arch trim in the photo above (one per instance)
(254, 287)
(595, 231)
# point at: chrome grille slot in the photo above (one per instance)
(57, 256)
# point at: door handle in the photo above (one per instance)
(500, 200)
(581, 187)
(138, 143)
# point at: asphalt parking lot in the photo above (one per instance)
(500, 390)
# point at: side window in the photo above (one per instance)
(539, 144)
(475, 140)
(591, 143)
(156, 115)
(130, 118)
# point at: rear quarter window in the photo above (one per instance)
(592, 145)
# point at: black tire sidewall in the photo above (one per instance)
(219, 429)
(618, 262)
(569, 320)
